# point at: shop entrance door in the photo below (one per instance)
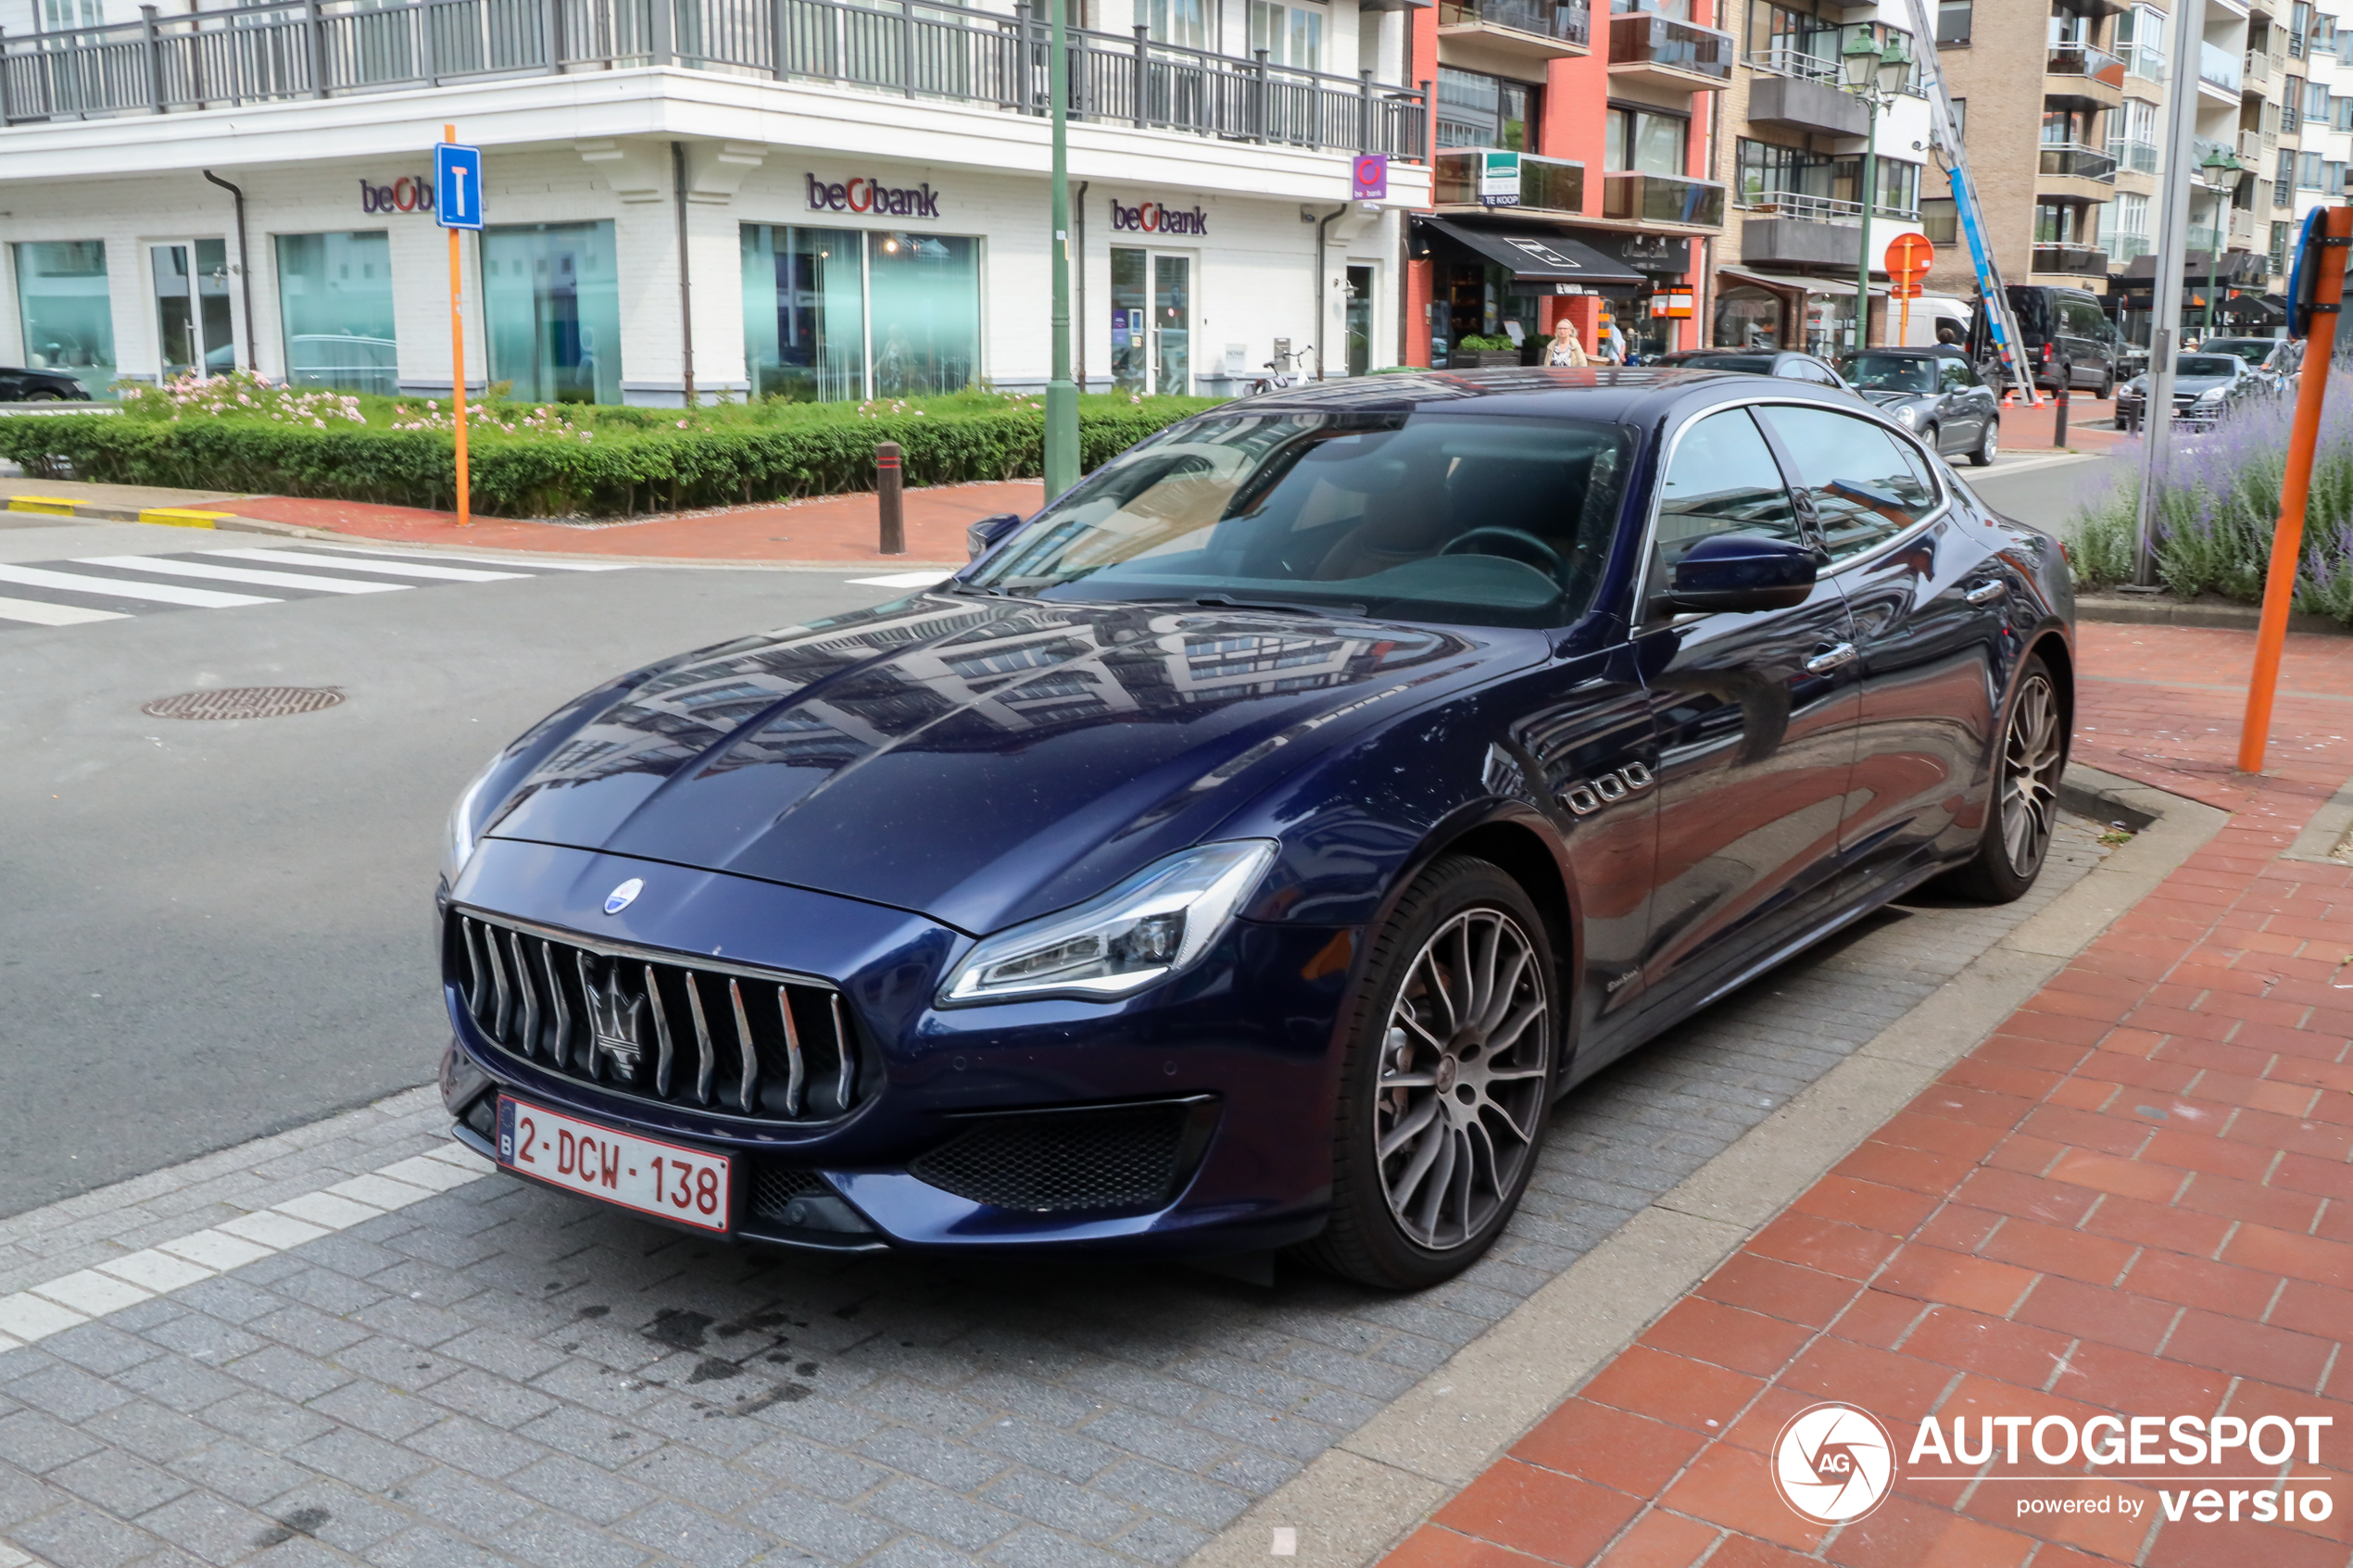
(193, 317)
(1152, 322)
(1360, 321)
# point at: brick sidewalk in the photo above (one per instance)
(2135, 1198)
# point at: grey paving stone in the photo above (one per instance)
(932, 1458)
(149, 1430)
(709, 1483)
(1031, 1547)
(210, 1528)
(476, 1448)
(590, 1435)
(551, 1539)
(837, 1535)
(915, 1551)
(265, 1421)
(692, 1537)
(79, 1536)
(1179, 1496)
(468, 1504)
(287, 1372)
(426, 1547)
(1162, 1540)
(377, 1410)
(22, 1496)
(581, 1489)
(203, 1338)
(369, 1463)
(1049, 1500)
(341, 1516)
(118, 1483)
(66, 1392)
(103, 1350)
(940, 1514)
(489, 1399)
(240, 1472)
(306, 1329)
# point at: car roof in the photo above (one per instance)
(1942, 352)
(1615, 393)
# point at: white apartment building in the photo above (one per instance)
(812, 199)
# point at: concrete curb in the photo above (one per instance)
(2172, 612)
(1366, 1494)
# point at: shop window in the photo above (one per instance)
(1291, 35)
(62, 303)
(1748, 317)
(1478, 110)
(1645, 140)
(925, 301)
(551, 305)
(804, 313)
(334, 307)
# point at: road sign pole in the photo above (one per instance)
(458, 352)
(2287, 540)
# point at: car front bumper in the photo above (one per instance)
(1226, 1075)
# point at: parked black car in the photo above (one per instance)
(1787, 363)
(1935, 394)
(2067, 337)
(20, 385)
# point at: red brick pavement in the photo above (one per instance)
(2135, 1199)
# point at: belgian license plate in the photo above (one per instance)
(682, 1185)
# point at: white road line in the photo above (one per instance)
(537, 563)
(109, 588)
(42, 614)
(71, 1300)
(389, 567)
(903, 580)
(246, 574)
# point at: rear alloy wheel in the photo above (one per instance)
(1989, 445)
(1448, 1084)
(2025, 804)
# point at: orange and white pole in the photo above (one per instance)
(2304, 438)
(457, 361)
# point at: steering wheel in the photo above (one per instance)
(1552, 565)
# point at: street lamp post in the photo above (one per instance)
(1061, 397)
(1874, 76)
(2217, 171)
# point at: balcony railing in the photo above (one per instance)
(2061, 258)
(1645, 38)
(2145, 62)
(1663, 198)
(2070, 161)
(1547, 185)
(2138, 157)
(2124, 247)
(333, 48)
(2219, 65)
(2081, 60)
(1567, 21)
(1783, 60)
(2243, 225)
(2258, 66)
(2250, 146)
(1800, 203)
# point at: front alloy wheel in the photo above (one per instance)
(2024, 806)
(1447, 1085)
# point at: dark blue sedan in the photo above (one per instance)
(1247, 850)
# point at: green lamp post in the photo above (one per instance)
(2217, 171)
(1875, 76)
(1062, 395)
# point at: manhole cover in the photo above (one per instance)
(243, 702)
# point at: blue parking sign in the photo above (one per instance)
(457, 180)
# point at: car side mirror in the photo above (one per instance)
(1739, 573)
(980, 536)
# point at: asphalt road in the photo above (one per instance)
(209, 930)
(2033, 488)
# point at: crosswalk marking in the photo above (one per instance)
(40, 614)
(389, 567)
(170, 567)
(536, 565)
(114, 588)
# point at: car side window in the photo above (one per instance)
(1721, 480)
(1864, 485)
(1954, 375)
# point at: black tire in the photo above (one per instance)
(1989, 444)
(2026, 765)
(42, 395)
(2108, 385)
(1440, 929)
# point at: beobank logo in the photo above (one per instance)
(1158, 217)
(873, 195)
(1833, 1463)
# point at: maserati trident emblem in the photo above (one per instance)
(613, 1027)
(623, 897)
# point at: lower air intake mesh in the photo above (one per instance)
(1125, 1157)
(774, 1186)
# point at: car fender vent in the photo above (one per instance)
(1107, 1158)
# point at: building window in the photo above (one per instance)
(551, 306)
(1646, 141)
(1291, 35)
(2300, 26)
(2140, 38)
(62, 303)
(2332, 178)
(1793, 43)
(1748, 317)
(1941, 220)
(2290, 101)
(2279, 246)
(2341, 114)
(2068, 128)
(1961, 117)
(1184, 23)
(1476, 110)
(2125, 227)
(2307, 174)
(2316, 102)
(924, 292)
(1952, 21)
(2060, 223)
(804, 313)
(334, 307)
(1899, 187)
(63, 16)
(2284, 177)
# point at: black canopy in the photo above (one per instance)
(1536, 256)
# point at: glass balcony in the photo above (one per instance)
(2070, 161)
(2145, 62)
(1547, 185)
(2081, 60)
(2137, 158)
(1555, 21)
(1645, 46)
(1663, 198)
(2124, 247)
(2061, 258)
(2219, 66)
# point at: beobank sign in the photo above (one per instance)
(871, 195)
(1835, 1462)
(408, 193)
(1158, 217)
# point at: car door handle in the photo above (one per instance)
(1831, 658)
(1986, 593)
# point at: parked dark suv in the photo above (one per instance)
(2066, 336)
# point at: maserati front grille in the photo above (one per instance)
(705, 1035)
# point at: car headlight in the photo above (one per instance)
(1154, 924)
(1907, 416)
(457, 838)
(2211, 394)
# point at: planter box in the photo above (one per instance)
(1483, 358)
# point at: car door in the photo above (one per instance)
(1964, 418)
(1927, 603)
(1756, 724)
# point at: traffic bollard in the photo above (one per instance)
(2058, 428)
(890, 498)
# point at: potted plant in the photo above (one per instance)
(1477, 353)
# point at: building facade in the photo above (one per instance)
(795, 198)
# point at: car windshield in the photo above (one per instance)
(2254, 350)
(1758, 364)
(1472, 519)
(2211, 365)
(1892, 373)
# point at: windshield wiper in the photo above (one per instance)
(1228, 601)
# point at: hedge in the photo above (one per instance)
(623, 470)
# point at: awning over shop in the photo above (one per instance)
(1535, 257)
(1801, 286)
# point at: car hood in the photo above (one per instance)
(975, 759)
(1887, 398)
